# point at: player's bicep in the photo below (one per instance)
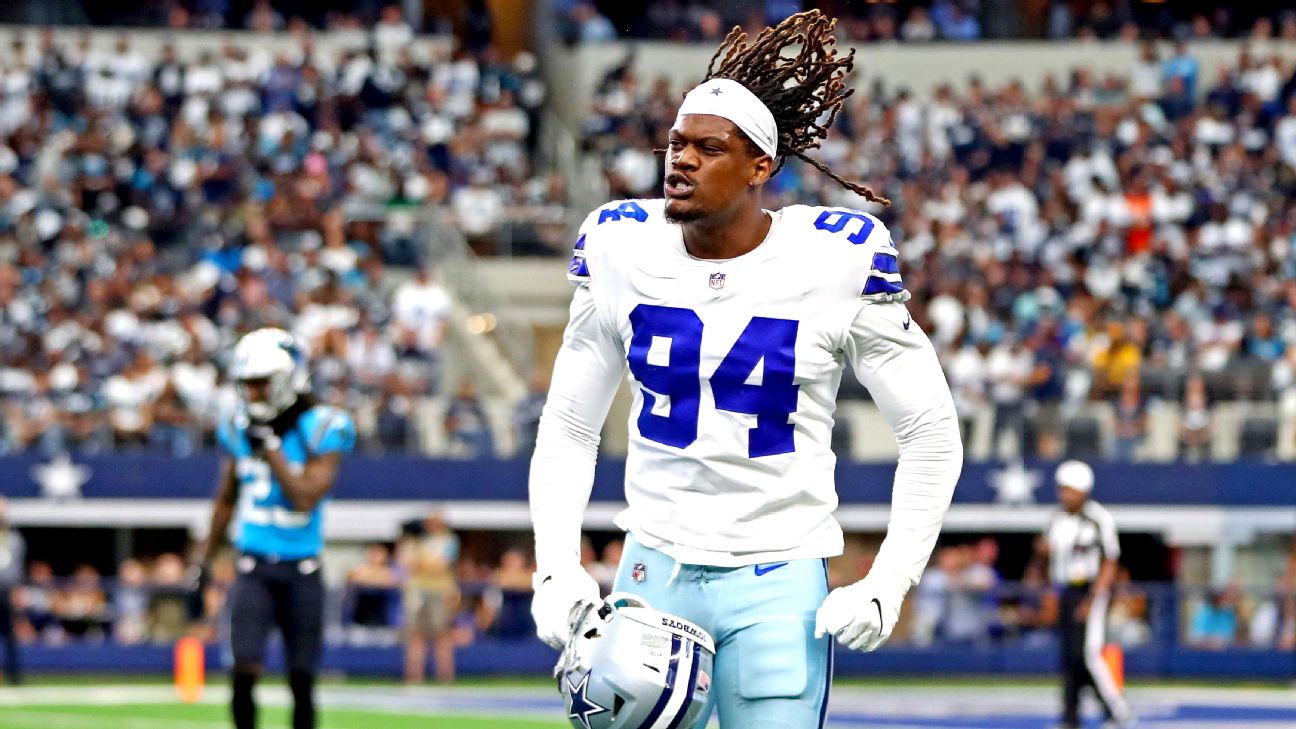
(893, 358)
(586, 373)
(336, 434)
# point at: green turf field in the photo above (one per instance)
(124, 702)
(208, 716)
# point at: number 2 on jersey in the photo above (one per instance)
(771, 341)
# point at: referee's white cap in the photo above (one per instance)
(1075, 475)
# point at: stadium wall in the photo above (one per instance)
(488, 657)
(1212, 503)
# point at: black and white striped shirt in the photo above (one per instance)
(1079, 543)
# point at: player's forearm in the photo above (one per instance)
(931, 459)
(218, 529)
(586, 373)
(562, 477)
(304, 488)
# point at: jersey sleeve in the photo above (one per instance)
(334, 432)
(862, 250)
(228, 436)
(587, 238)
(1107, 536)
(586, 374)
(878, 267)
(896, 362)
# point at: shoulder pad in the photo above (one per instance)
(871, 251)
(329, 430)
(619, 212)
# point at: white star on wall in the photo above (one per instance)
(60, 479)
(1016, 484)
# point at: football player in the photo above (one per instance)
(282, 452)
(735, 323)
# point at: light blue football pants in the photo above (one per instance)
(770, 671)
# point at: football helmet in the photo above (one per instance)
(269, 354)
(629, 666)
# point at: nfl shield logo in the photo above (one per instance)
(639, 573)
(717, 281)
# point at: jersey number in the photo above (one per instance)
(254, 479)
(771, 341)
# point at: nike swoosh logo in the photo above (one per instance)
(876, 602)
(764, 568)
(906, 322)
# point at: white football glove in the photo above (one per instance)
(861, 616)
(557, 601)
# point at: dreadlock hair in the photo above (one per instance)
(797, 89)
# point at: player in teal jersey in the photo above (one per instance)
(282, 453)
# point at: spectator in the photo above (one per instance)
(172, 430)
(513, 581)
(169, 601)
(1195, 431)
(588, 25)
(131, 397)
(1131, 419)
(1127, 622)
(605, 570)
(130, 603)
(466, 425)
(422, 308)
(1214, 622)
(956, 24)
(263, 18)
(526, 415)
(430, 599)
(37, 604)
(1182, 67)
(918, 28)
(391, 33)
(1145, 79)
(13, 555)
(1009, 368)
(373, 587)
(82, 607)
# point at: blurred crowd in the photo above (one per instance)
(155, 207)
(425, 593)
(1116, 239)
(923, 21)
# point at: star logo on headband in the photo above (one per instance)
(717, 92)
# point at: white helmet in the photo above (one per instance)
(627, 665)
(270, 354)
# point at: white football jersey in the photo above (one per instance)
(734, 367)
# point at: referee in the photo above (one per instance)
(1083, 554)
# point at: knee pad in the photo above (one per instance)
(772, 659)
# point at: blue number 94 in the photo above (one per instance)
(767, 340)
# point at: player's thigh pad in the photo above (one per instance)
(771, 659)
(252, 615)
(773, 675)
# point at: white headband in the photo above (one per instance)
(731, 100)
